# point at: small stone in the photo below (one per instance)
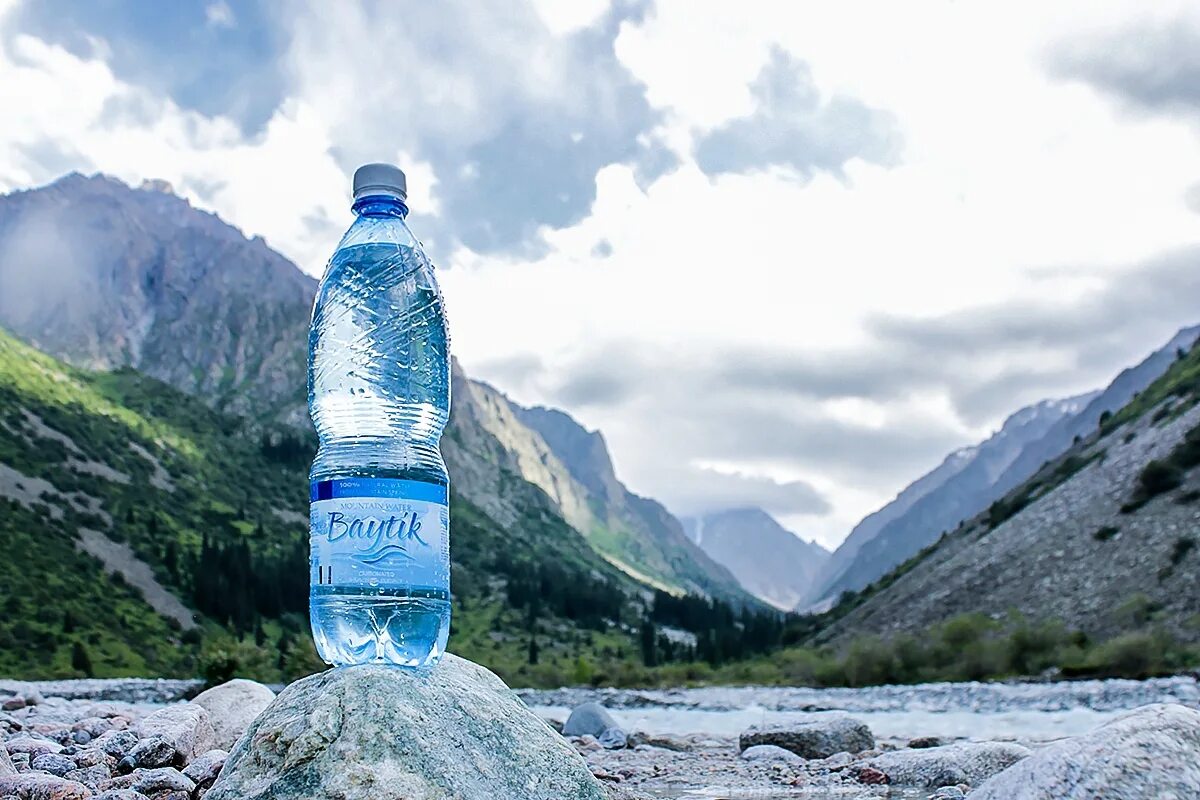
(116, 743)
(52, 763)
(164, 779)
(948, 793)
(588, 744)
(923, 742)
(34, 747)
(769, 752)
(90, 777)
(121, 794)
(40, 786)
(127, 764)
(872, 777)
(94, 726)
(156, 751)
(185, 725)
(813, 736)
(12, 703)
(93, 756)
(232, 706)
(81, 737)
(205, 768)
(613, 739)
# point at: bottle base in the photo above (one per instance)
(353, 629)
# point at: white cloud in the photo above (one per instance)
(219, 15)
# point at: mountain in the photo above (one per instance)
(103, 275)
(159, 536)
(106, 276)
(1101, 538)
(767, 559)
(958, 489)
(635, 533)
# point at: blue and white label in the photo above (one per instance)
(379, 533)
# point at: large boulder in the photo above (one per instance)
(931, 767)
(1152, 752)
(383, 733)
(185, 725)
(812, 736)
(231, 708)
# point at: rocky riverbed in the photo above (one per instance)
(144, 740)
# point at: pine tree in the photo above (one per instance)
(533, 650)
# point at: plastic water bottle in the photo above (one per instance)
(379, 396)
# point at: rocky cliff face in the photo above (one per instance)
(635, 533)
(768, 560)
(967, 485)
(1107, 530)
(970, 479)
(106, 276)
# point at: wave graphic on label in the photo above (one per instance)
(391, 551)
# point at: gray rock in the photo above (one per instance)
(948, 793)
(116, 743)
(156, 751)
(20, 761)
(90, 777)
(1152, 752)
(922, 742)
(40, 786)
(81, 737)
(965, 762)
(613, 739)
(121, 794)
(232, 707)
(769, 752)
(589, 719)
(204, 769)
(32, 746)
(813, 736)
(52, 763)
(6, 764)
(389, 734)
(163, 779)
(185, 725)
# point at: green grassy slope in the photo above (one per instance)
(220, 517)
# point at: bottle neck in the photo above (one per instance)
(380, 205)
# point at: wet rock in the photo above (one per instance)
(387, 734)
(593, 719)
(769, 752)
(814, 736)
(163, 779)
(966, 762)
(205, 768)
(232, 706)
(52, 763)
(1152, 752)
(40, 786)
(185, 725)
(156, 751)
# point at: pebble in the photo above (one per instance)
(155, 751)
(90, 777)
(117, 743)
(163, 779)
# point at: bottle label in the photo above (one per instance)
(379, 533)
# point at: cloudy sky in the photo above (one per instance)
(780, 254)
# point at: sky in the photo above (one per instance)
(784, 255)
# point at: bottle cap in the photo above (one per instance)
(380, 179)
